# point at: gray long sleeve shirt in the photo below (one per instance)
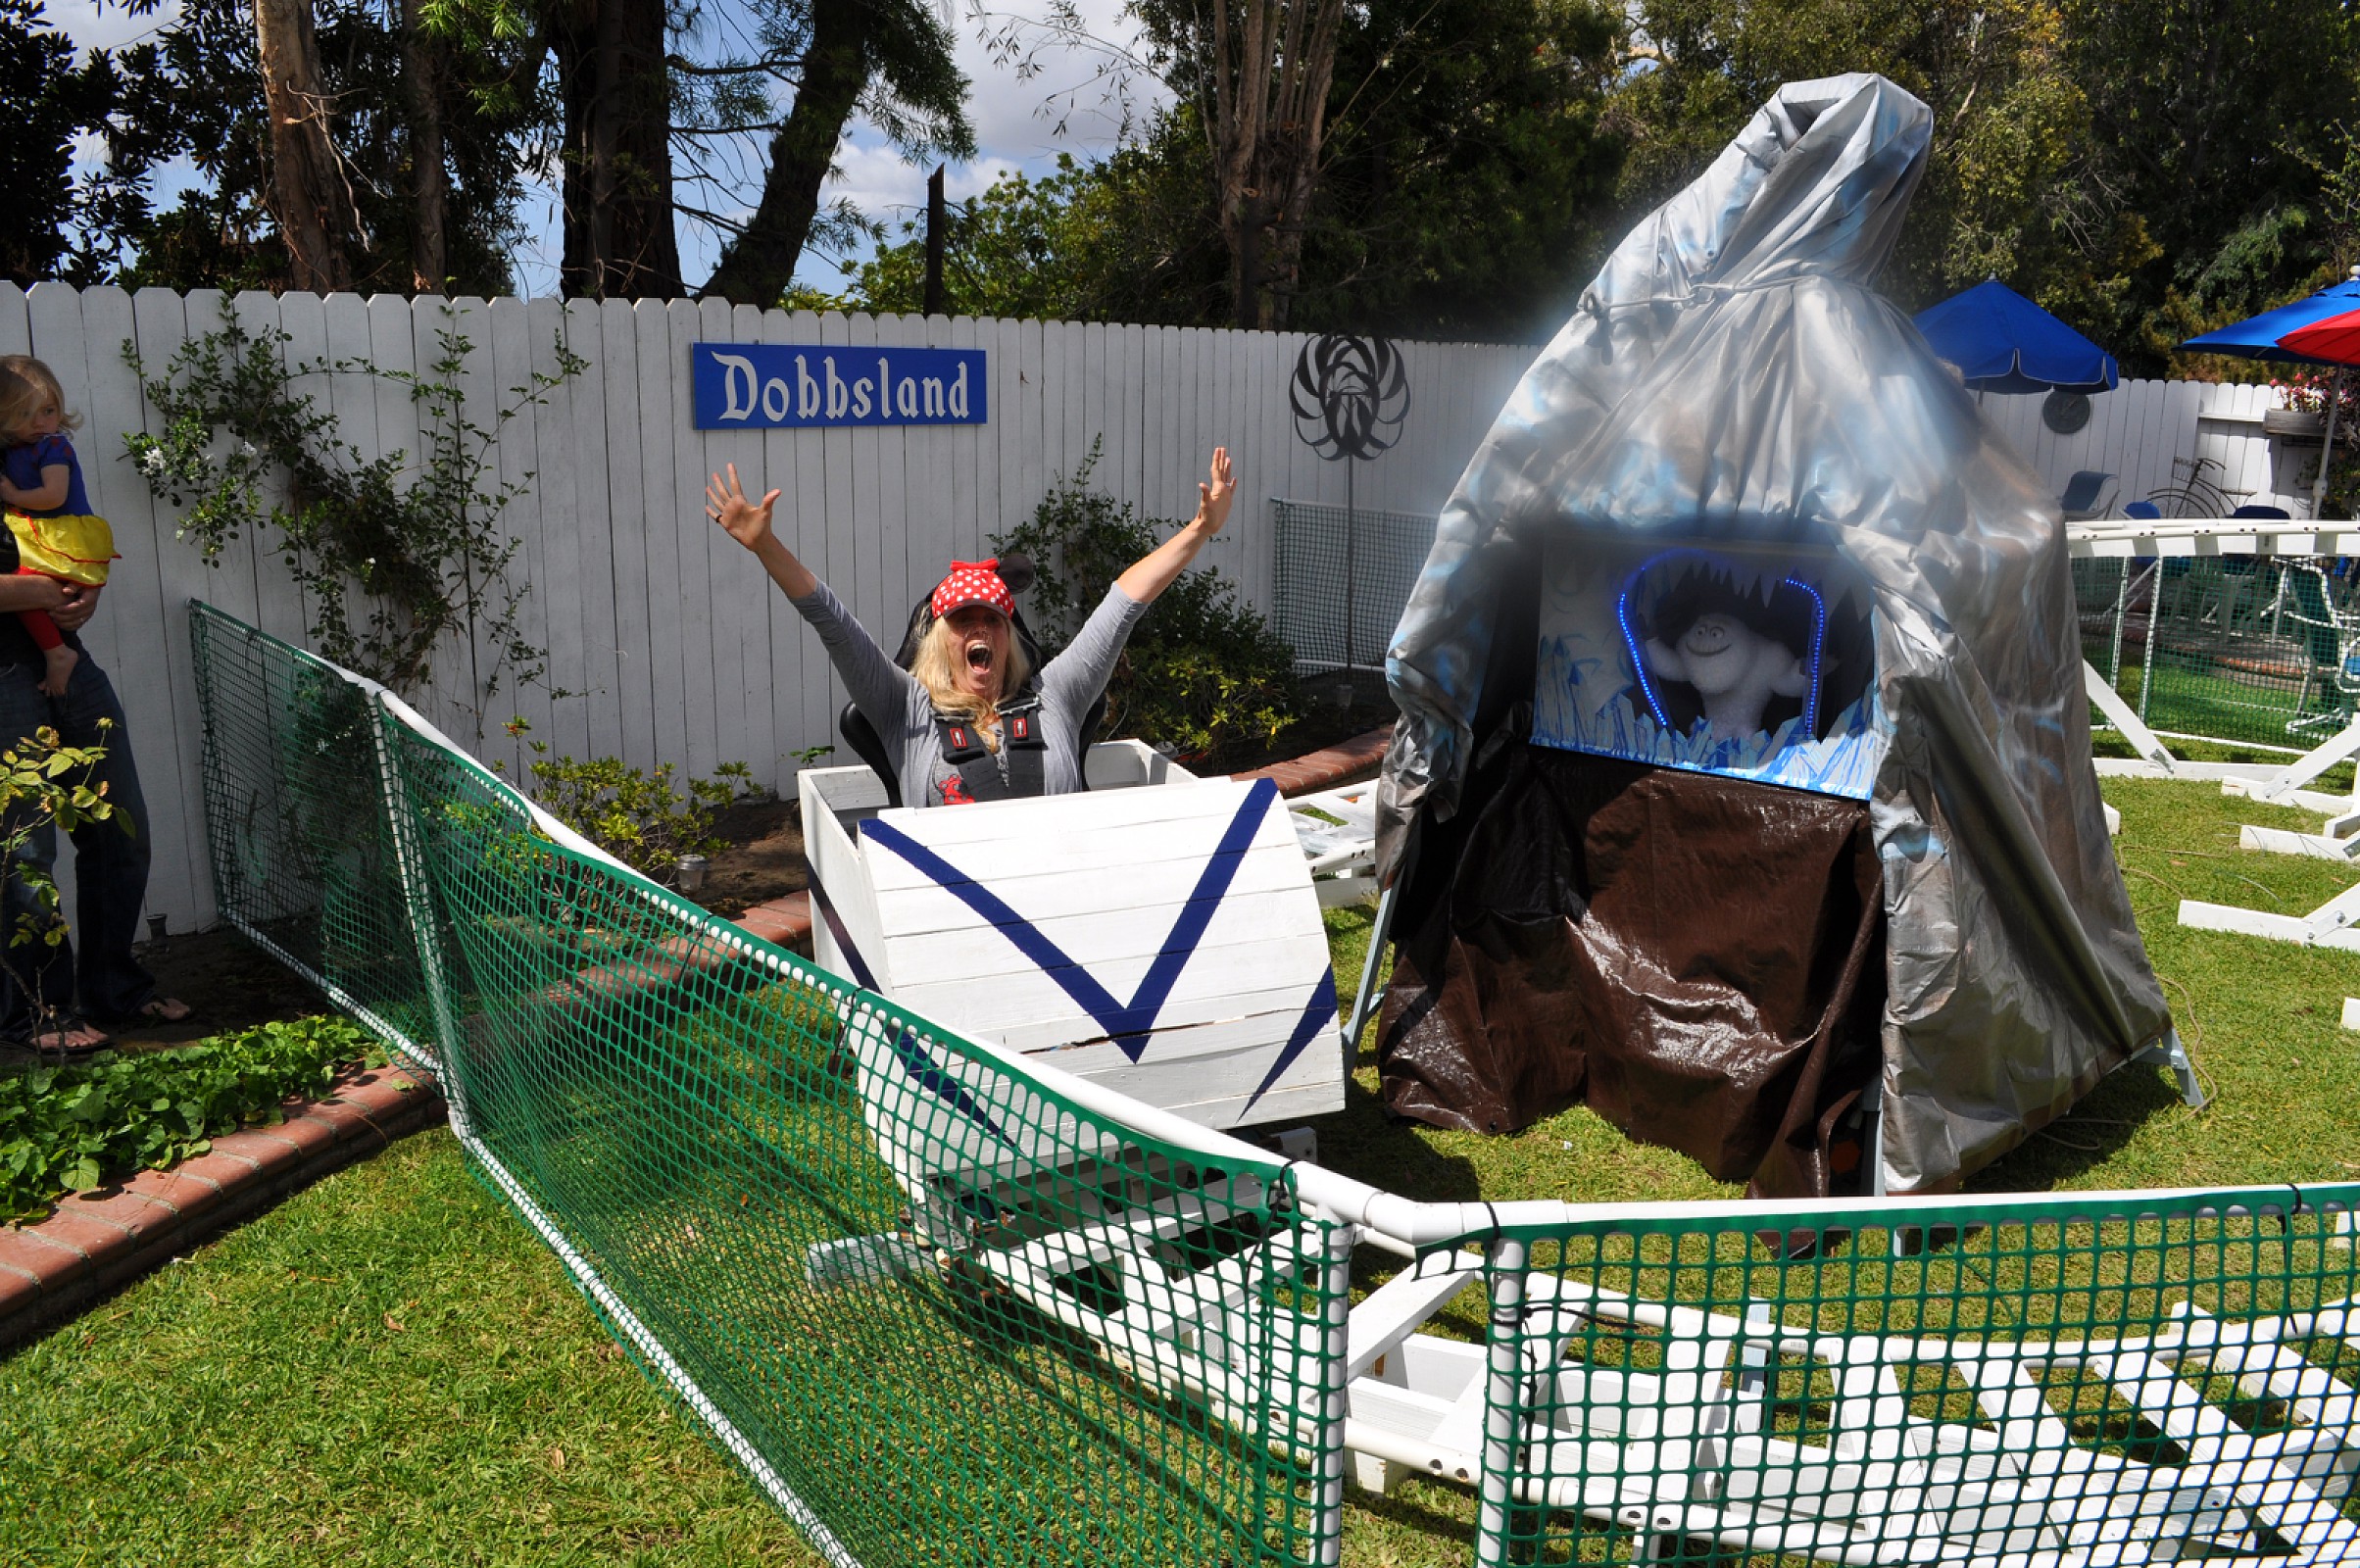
(903, 715)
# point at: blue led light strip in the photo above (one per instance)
(1639, 661)
(1819, 642)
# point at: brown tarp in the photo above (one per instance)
(1698, 959)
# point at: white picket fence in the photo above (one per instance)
(674, 646)
(2136, 430)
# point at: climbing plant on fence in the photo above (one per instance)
(393, 553)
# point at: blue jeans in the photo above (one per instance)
(110, 863)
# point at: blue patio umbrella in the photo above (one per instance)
(2257, 337)
(2002, 342)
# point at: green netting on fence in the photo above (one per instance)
(295, 816)
(782, 1193)
(2253, 648)
(946, 1308)
(2108, 1380)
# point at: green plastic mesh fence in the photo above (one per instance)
(2119, 1379)
(2258, 649)
(948, 1308)
(939, 1312)
(295, 817)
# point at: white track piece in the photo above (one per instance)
(2282, 785)
(2114, 820)
(2286, 841)
(2118, 713)
(2351, 1012)
(1342, 853)
(2331, 925)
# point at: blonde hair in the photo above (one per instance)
(936, 668)
(26, 383)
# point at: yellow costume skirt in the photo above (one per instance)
(75, 548)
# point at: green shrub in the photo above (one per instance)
(69, 1127)
(1205, 674)
(637, 818)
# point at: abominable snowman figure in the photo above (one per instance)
(1734, 651)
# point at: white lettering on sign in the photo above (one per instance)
(737, 373)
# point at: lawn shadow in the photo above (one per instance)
(2094, 1132)
(1362, 1142)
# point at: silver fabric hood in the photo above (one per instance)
(1730, 375)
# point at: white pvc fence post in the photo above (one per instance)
(1335, 1397)
(1503, 1401)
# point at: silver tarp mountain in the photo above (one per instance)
(1731, 377)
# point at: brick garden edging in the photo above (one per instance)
(787, 922)
(102, 1240)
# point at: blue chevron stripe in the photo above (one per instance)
(1307, 1029)
(929, 1076)
(1128, 1024)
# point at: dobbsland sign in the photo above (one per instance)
(766, 386)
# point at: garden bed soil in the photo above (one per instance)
(763, 860)
(228, 983)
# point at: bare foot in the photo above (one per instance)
(166, 1010)
(69, 1037)
(61, 661)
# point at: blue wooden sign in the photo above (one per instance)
(766, 387)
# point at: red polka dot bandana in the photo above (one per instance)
(973, 582)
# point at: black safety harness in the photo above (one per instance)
(979, 775)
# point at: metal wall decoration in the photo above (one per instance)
(1349, 395)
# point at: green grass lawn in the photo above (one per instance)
(389, 1369)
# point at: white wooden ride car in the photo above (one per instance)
(1158, 933)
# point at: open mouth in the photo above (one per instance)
(979, 657)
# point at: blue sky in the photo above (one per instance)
(1020, 124)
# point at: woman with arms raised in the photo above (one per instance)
(970, 720)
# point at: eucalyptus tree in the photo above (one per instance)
(890, 61)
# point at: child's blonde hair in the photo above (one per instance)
(26, 383)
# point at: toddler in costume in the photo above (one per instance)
(48, 509)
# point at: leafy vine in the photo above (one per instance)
(391, 560)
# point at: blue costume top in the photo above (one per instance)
(25, 463)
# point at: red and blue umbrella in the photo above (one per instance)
(2264, 336)
(2322, 329)
(2334, 340)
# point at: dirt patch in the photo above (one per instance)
(1324, 723)
(763, 860)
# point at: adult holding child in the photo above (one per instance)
(970, 720)
(53, 556)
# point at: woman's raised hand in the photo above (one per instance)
(747, 522)
(1213, 500)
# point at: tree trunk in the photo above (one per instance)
(429, 243)
(620, 240)
(1274, 62)
(759, 264)
(310, 200)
